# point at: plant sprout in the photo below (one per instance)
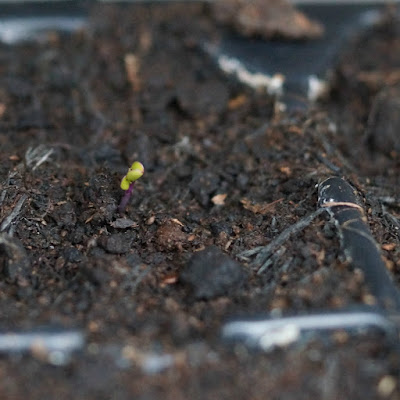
(128, 182)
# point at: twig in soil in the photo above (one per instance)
(3, 196)
(329, 147)
(14, 213)
(35, 157)
(271, 260)
(6, 184)
(339, 198)
(264, 252)
(268, 333)
(334, 168)
(132, 68)
(392, 219)
(391, 201)
(128, 182)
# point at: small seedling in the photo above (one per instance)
(128, 182)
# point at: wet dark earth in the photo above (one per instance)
(146, 292)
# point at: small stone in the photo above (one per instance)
(387, 385)
(118, 243)
(122, 223)
(211, 273)
(73, 255)
(217, 227)
(219, 199)
(203, 185)
(64, 214)
(170, 236)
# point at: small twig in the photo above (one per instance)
(132, 69)
(392, 219)
(272, 259)
(264, 252)
(14, 213)
(3, 196)
(37, 156)
(334, 168)
(390, 201)
(6, 184)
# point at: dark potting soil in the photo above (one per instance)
(225, 171)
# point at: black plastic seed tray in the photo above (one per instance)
(28, 20)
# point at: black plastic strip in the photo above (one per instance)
(342, 202)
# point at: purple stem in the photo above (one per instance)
(125, 199)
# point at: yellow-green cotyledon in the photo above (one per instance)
(134, 173)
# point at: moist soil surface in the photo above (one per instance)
(225, 171)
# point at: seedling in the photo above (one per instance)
(128, 182)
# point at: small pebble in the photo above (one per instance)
(73, 255)
(122, 223)
(65, 215)
(203, 185)
(211, 273)
(387, 385)
(169, 236)
(118, 243)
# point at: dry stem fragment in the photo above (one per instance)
(260, 208)
(132, 67)
(14, 213)
(35, 157)
(264, 252)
